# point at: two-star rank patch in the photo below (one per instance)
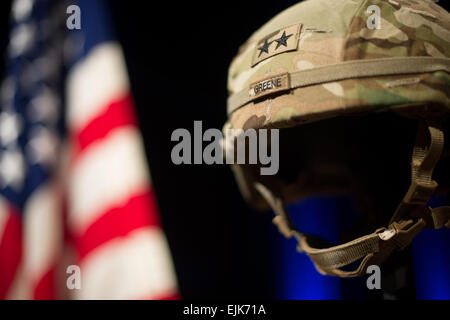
(280, 41)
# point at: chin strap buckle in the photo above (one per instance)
(401, 233)
(386, 234)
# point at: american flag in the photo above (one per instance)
(74, 184)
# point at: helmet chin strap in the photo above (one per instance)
(412, 214)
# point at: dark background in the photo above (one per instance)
(178, 55)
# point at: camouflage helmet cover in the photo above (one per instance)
(320, 59)
(328, 35)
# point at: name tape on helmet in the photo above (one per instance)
(277, 42)
(269, 85)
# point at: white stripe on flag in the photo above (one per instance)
(42, 241)
(43, 231)
(134, 267)
(94, 82)
(108, 172)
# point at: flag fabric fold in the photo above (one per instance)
(74, 183)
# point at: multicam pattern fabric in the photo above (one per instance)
(334, 32)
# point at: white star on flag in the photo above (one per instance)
(12, 169)
(10, 126)
(42, 148)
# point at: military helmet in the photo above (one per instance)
(323, 59)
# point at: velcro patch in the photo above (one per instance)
(269, 85)
(280, 41)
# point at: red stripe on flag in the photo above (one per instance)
(119, 113)
(45, 287)
(10, 251)
(169, 296)
(139, 211)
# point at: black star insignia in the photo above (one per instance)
(283, 40)
(264, 48)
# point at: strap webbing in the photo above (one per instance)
(372, 248)
(405, 225)
(351, 70)
(282, 219)
(425, 158)
(426, 154)
(441, 217)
